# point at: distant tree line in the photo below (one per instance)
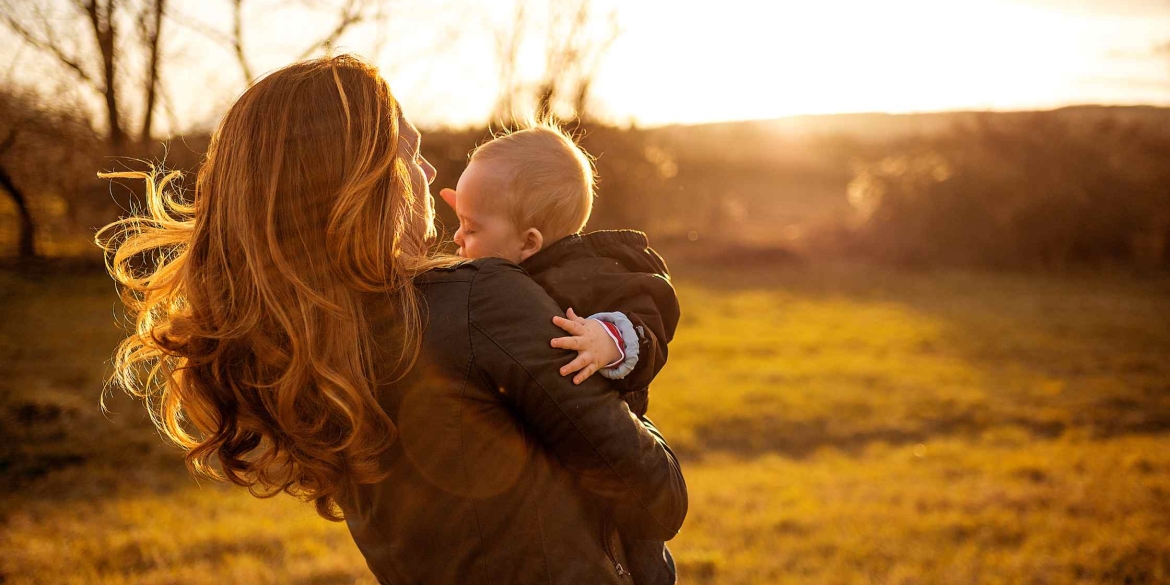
(1035, 191)
(1020, 191)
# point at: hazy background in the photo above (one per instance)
(682, 62)
(921, 250)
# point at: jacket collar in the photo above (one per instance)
(577, 245)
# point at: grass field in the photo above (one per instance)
(838, 424)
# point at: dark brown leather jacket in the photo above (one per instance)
(503, 470)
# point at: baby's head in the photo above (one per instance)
(521, 191)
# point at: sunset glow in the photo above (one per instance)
(763, 60)
(691, 62)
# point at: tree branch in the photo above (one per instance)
(153, 30)
(105, 33)
(26, 246)
(352, 14)
(48, 45)
(10, 139)
(237, 41)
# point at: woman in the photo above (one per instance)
(295, 328)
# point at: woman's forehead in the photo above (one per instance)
(407, 131)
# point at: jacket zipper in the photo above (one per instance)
(605, 539)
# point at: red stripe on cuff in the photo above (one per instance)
(617, 338)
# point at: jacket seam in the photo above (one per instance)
(574, 423)
(462, 400)
(463, 450)
(389, 557)
(543, 548)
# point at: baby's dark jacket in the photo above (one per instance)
(608, 271)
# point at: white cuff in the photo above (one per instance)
(630, 342)
(617, 343)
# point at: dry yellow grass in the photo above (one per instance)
(838, 425)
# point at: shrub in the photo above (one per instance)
(1035, 190)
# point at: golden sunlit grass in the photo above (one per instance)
(838, 424)
(200, 535)
(997, 510)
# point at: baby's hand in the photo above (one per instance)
(595, 348)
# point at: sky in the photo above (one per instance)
(767, 59)
(693, 62)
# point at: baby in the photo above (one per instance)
(525, 197)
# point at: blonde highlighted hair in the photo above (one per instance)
(548, 178)
(251, 348)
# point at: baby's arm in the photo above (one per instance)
(646, 319)
(597, 341)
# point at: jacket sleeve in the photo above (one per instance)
(650, 303)
(587, 426)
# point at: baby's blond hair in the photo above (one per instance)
(548, 179)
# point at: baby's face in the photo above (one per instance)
(485, 226)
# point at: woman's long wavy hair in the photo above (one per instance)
(251, 348)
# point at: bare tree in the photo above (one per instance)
(34, 138)
(103, 20)
(26, 234)
(96, 62)
(508, 42)
(576, 42)
(114, 52)
(237, 41)
(86, 42)
(150, 26)
(350, 14)
(589, 57)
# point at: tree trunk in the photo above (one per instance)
(27, 245)
(238, 41)
(103, 30)
(544, 100)
(582, 99)
(154, 32)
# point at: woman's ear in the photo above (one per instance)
(531, 242)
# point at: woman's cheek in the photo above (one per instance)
(429, 229)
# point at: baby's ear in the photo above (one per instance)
(448, 195)
(533, 241)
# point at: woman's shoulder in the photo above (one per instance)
(465, 271)
(495, 294)
(486, 278)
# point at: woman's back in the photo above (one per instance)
(502, 470)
